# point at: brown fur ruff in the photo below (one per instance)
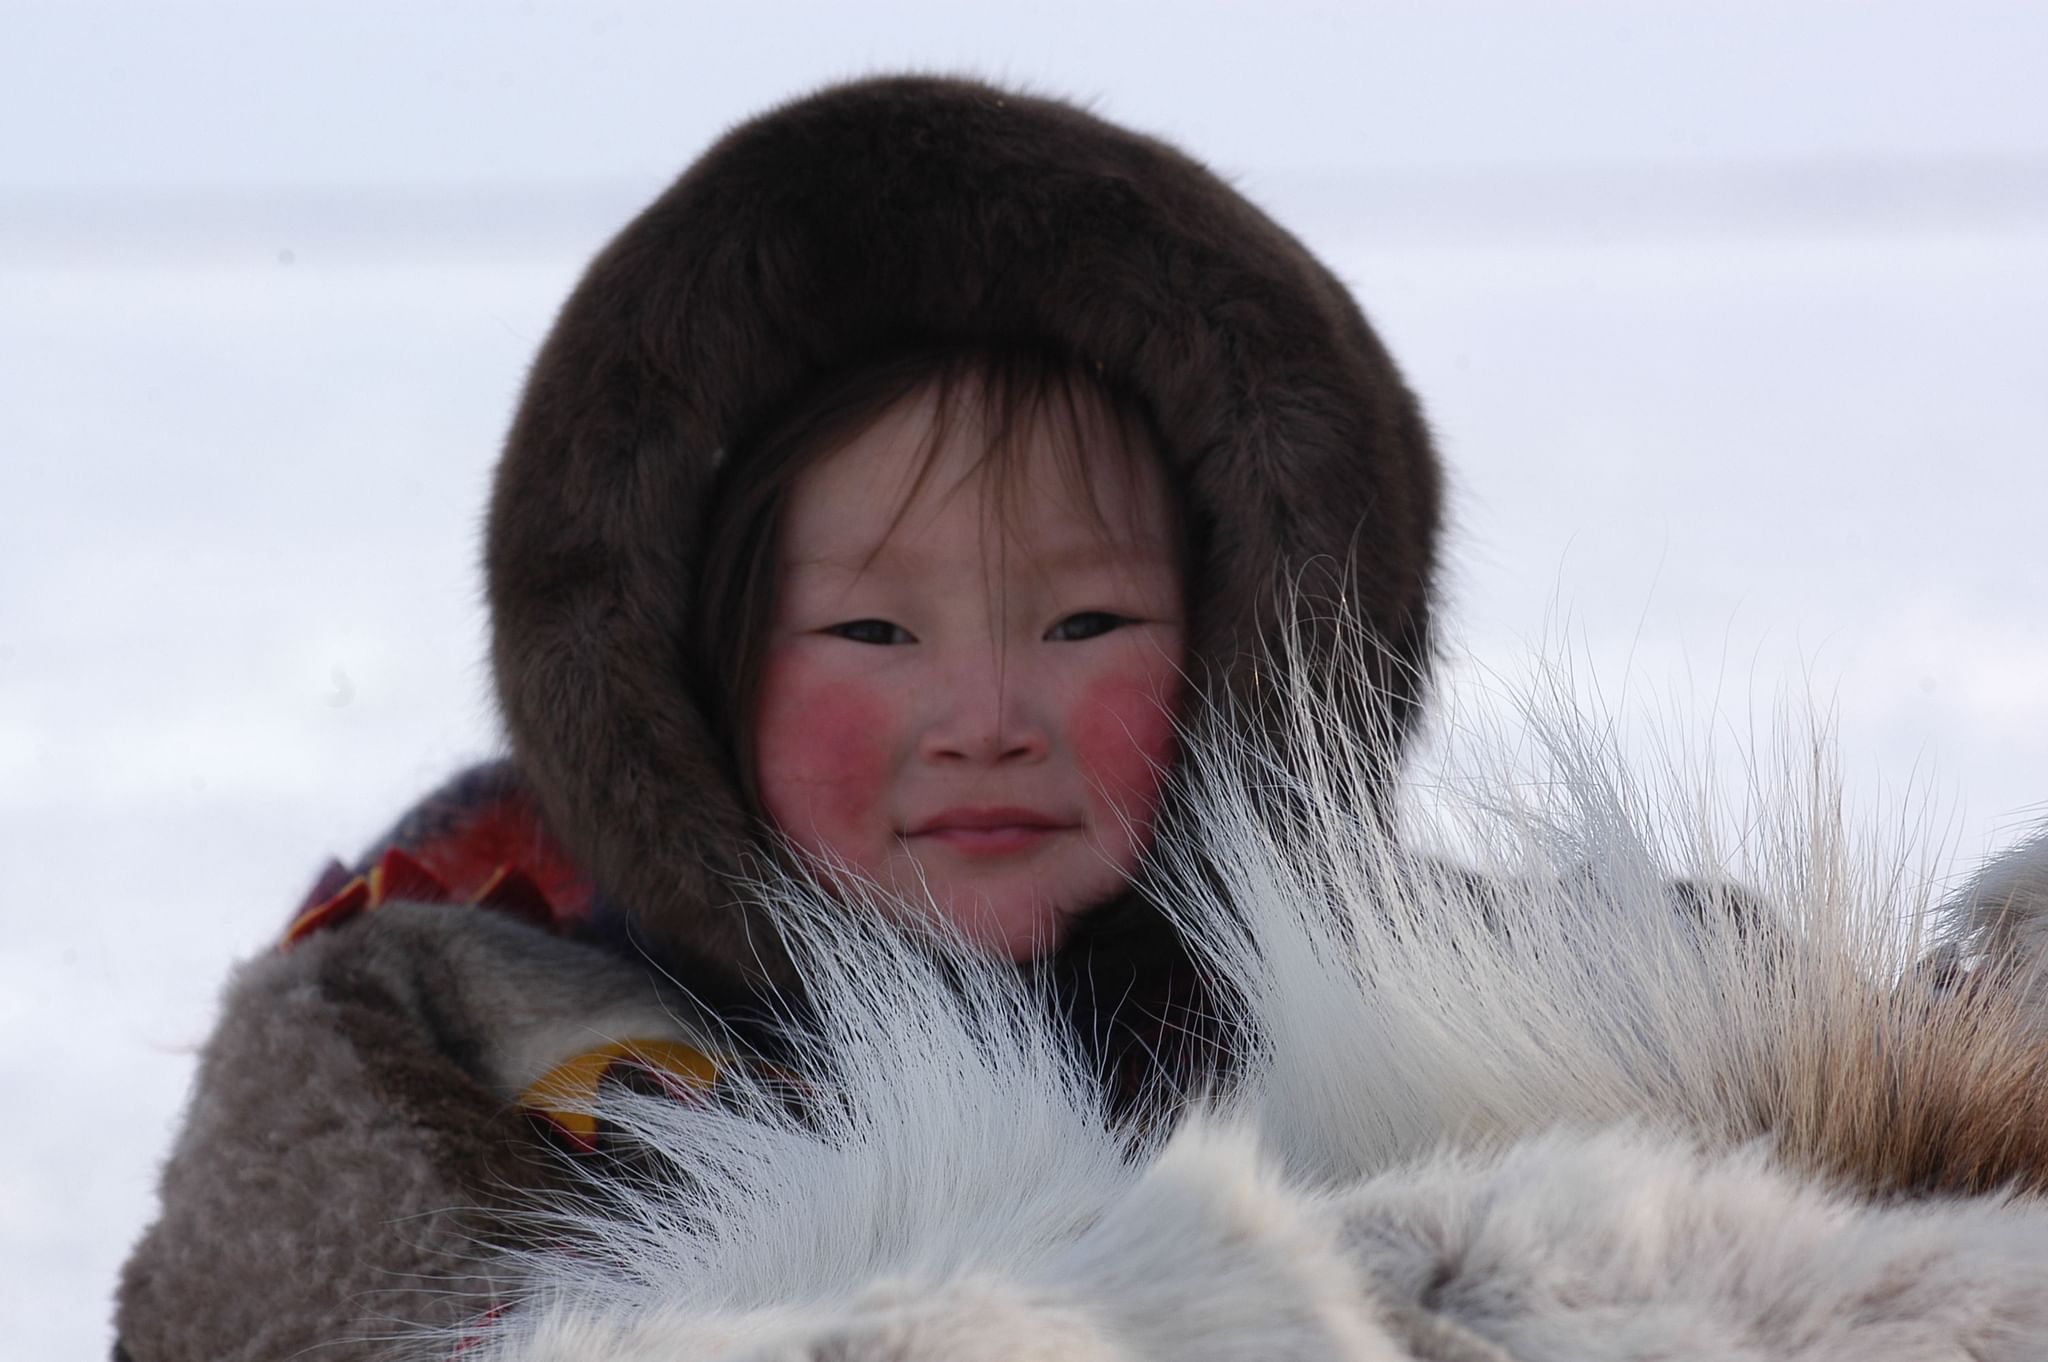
(902, 211)
(1908, 1093)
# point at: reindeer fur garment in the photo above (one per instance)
(1562, 1113)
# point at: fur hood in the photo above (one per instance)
(907, 211)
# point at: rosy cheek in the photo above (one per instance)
(821, 758)
(1124, 738)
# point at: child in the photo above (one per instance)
(882, 495)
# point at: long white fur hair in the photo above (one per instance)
(1620, 1069)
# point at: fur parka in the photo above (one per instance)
(352, 1139)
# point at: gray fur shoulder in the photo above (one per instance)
(351, 1141)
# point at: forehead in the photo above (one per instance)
(1076, 483)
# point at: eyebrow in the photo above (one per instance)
(1076, 556)
(1146, 553)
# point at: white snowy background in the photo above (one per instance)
(1732, 319)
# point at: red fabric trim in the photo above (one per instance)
(487, 849)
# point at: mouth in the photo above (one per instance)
(989, 831)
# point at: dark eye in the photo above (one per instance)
(1087, 624)
(879, 632)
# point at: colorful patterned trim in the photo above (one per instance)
(479, 840)
(565, 1097)
(400, 877)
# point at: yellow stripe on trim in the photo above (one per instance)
(567, 1093)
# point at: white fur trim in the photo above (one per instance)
(1557, 1110)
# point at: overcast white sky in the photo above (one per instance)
(1732, 319)
(323, 92)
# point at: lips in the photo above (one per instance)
(990, 831)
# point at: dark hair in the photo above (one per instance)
(1010, 391)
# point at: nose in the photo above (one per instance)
(985, 713)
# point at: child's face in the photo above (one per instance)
(966, 700)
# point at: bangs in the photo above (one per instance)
(1020, 407)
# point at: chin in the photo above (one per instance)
(1015, 926)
